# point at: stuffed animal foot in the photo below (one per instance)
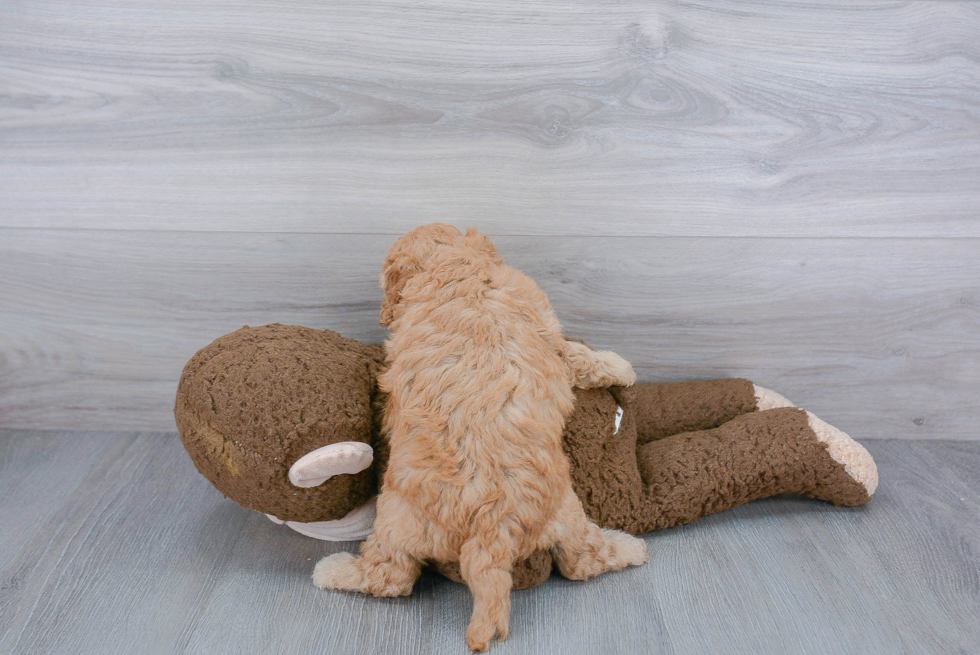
(855, 458)
(769, 399)
(755, 455)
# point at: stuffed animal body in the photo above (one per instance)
(286, 420)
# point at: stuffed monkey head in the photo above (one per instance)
(261, 409)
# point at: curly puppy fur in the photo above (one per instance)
(479, 382)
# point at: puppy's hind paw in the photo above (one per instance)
(625, 549)
(334, 571)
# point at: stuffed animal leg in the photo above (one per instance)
(785, 450)
(664, 409)
(663, 455)
(637, 478)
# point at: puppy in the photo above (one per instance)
(479, 382)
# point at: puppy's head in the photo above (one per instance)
(408, 255)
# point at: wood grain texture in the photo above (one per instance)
(123, 565)
(35, 480)
(877, 336)
(916, 573)
(811, 118)
(146, 557)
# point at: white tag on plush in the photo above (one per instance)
(619, 418)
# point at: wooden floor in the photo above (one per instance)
(112, 543)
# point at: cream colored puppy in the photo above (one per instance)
(479, 382)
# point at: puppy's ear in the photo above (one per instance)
(480, 243)
(394, 275)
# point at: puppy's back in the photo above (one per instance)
(477, 400)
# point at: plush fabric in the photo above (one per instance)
(661, 410)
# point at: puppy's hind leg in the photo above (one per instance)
(589, 369)
(377, 571)
(583, 550)
(385, 568)
(485, 563)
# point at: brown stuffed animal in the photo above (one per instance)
(286, 420)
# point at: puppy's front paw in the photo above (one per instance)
(333, 571)
(616, 370)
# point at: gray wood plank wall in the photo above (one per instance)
(784, 191)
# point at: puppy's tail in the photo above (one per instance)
(485, 564)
